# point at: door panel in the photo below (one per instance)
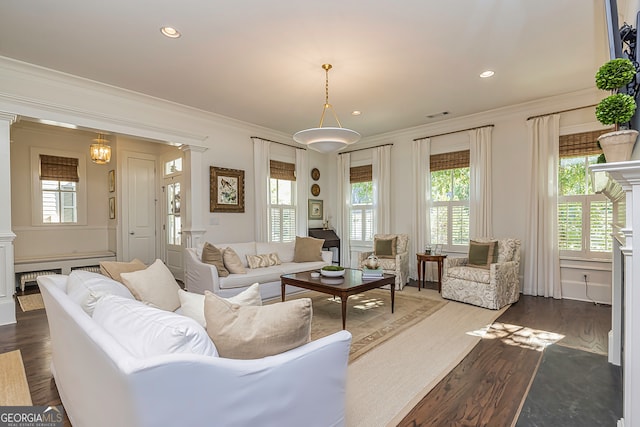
(141, 209)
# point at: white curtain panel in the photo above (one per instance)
(302, 180)
(421, 223)
(381, 171)
(343, 210)
(541, 254)
(261, 168)
(480, 214)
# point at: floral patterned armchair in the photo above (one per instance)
(493, 288)
(399, 265)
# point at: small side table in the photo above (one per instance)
(422, 258)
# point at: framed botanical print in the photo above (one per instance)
(112, 181)
(112, 208)
(315, 209)
(226, 187)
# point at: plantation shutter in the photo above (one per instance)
(361, 173)
(282, 170)
(54, 168)
(581, 144)
(452, 160)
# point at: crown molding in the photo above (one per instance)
(33, 91)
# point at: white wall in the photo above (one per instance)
(34, 92)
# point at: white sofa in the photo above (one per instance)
(101, 382)
(200, 276)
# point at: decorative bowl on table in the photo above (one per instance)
(332, 271)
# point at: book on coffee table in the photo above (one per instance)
(371, 273)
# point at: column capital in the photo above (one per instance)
(194, 148)
(8, 117)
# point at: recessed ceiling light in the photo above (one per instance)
(356, 112)
(170, 32)
(486, 74)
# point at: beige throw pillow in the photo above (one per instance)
(482, 254)
(154, 286)
(266, 260)
(308, 249)
(247, 332)
(114, 269)
(232, 262)
(192, 304)
(385, 248)
(212, 255)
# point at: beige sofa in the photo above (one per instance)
(200, 276)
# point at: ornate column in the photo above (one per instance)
(194, 205)
(627, 174)
(7, 276)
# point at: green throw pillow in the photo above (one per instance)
(482, 254)
(385, 248)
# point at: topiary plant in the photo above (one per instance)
(618, 108)
(615, 74)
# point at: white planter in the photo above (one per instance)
(618, 146)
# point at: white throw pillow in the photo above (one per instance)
(192, 304)
(146, 331)
(85, 288)
(154, 286)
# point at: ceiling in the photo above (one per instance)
(260, 61)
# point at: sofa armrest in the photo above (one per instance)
(198, 276)
(453, 262)
(362, 256)
(504, 273)
(327, 256)
(277, 387)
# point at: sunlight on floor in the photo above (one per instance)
(520, 336)
(362, 302)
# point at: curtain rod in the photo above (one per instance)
(455, 131)
(561, 111)
(281, 143)
(361, 149)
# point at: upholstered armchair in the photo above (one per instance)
(492, 287)
(397, 264)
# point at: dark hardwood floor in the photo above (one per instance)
(486, 389)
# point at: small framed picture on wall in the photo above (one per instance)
(315, 209)
(112, 181)
(112, 208)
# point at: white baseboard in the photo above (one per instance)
(593, 292)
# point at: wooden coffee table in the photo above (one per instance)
(350, 284)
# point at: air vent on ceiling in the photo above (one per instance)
(433, 116)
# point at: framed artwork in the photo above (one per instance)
(315, 209)
(315, 174)
(226, 188)
(112, 208)
(112, 181)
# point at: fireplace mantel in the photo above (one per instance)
(626, 285)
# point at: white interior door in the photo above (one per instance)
(141, 208)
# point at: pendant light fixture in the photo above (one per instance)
(100, 151)
(327, 139)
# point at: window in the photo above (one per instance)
(362, 222)
(282, 203)
(173, 224)
(59, 189)
(449, 212)
(584, 218)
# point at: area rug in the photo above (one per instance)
(369, 317)
(387, 382)
(31, 302)
(14, 389)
